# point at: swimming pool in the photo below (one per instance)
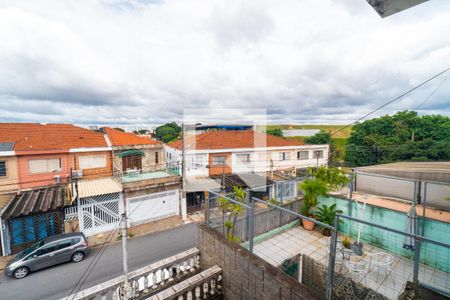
(430, 254)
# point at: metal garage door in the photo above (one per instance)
(153, 207)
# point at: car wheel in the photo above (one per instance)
(77, 257)
(21, 272)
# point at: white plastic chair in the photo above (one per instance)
(358, 269)
(381, 262)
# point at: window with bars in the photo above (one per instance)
(243, 158)
(92, 161)
(318, 154)
(284, 155)
(303, 155)
(2, 168)
(36, 166)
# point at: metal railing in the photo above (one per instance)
(148, 280)
(426, 262)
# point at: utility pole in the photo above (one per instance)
(183, 172)
(124, 227)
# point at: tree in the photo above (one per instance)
(275, 132)
(168, 132)
(119, 129)
(402, 136)
(322, 137)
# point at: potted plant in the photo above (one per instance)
(326, 215)
(346, 242)
(312, 189)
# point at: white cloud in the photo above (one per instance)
(145, 61)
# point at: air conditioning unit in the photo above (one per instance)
(57, 179)
(77, 173)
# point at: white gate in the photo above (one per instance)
(99, 213)
(152, 207)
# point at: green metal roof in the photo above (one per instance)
(131, 152)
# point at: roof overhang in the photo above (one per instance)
(40, 200)
(7, 153)
(96, 187)
(201, 184)
(386, 8)
(89, 149)
(131, 152)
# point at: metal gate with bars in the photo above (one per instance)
(27, 230)
(99, 213)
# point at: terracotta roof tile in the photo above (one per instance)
(236, 139)
(120, 138)
(34, 136)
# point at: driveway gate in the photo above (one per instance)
(99, 213)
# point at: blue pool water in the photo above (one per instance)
(430, 254)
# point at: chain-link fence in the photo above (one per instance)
(349, 258)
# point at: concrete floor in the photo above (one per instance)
(314, 244)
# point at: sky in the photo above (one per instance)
(145, 62)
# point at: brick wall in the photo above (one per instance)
(245, 275)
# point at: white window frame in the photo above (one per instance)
(48, 168)
(303, 158)
(92, 161)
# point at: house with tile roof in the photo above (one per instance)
(37, 162)
(217, 152)
(150, 186)
(224, 155)
(45, 154)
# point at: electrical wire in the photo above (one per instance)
(432, 93)
(99, 255)
(393, 100)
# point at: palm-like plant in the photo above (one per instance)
(312, 189)
(326, 214)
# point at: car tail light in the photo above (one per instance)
(85, 243)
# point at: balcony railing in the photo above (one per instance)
(147, 280)
(154, 172)
(205, 285)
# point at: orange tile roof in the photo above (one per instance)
(55, 137)
(236, 139)
(120, 138)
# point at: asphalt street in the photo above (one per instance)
(57, 282)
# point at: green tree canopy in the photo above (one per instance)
(275, 132)
(402, 136)
(168, 132)
(322, 137)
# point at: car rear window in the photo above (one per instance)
(75, 240)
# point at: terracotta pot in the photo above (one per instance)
(308, 225)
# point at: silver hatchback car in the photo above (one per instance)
(51, 251)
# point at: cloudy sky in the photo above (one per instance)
(136, 62)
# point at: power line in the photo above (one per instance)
(393, 100)
(432, 93)
(99, 254)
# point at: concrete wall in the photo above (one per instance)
(245, 275)
(9, 183)
(435, 194)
